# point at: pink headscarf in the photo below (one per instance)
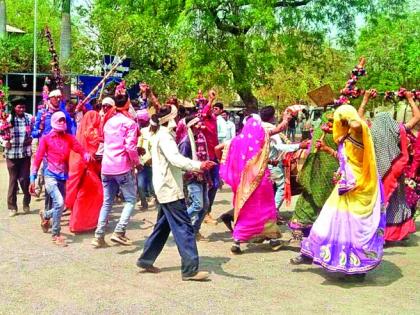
(56, 124)
(241, 150)
(143, 115)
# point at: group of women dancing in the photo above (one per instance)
(358, 187)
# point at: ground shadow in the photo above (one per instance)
(142, 224)
(222, 202)
(213, 265)
(137, 247)
(412, 241)
(384, 275)
(220, 236)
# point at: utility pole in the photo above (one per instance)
(35, 57)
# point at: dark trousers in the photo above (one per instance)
(19, 170)
(215, 178)
(173, 217)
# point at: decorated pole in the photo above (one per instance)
(96, 88)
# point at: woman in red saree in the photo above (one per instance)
(244, 168)
(84, 193)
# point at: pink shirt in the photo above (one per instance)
(120, 145)
(56, 147)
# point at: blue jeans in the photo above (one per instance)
(198, 203)
(215, 178)
(144, 183)
(173, 217)
(279, 195)
(56, 189)
(111, 183)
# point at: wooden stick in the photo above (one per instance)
(110, 72)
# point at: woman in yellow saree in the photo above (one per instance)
(348, 234)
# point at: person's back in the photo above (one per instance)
(120, 145)
(167, 174)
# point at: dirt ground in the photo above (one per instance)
(38, 277)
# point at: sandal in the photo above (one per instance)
(301, 260)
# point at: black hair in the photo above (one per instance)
(13, 112)
(121, 99)
(267, 113)
(163, 111)
(182, 112)
(219, 105)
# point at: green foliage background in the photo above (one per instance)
(266, 50)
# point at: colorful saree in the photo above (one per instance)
(244, 168)
(391, 150)
(348, 234)
(84, 193)
(316, 180)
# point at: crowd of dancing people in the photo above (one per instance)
(358, 182)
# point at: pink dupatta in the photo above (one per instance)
(244, 162)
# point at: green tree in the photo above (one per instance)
(16, 51)
(392, 49)
(230, 43)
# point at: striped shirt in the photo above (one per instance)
(20, 138)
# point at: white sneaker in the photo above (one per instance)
(12, 212)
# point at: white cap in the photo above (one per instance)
(54, 93)
(109, 101)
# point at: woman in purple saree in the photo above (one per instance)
(244, 168)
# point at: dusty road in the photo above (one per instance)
(38, 277)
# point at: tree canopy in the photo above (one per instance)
(264, 50)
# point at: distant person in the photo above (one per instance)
(18, 151)
(291, 128)
(230, 126)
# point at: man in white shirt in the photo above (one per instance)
(222, 127)
(167, 166)
(277, 146)
(230, 126)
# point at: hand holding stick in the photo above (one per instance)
(110, 72)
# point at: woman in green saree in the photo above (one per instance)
(316, 180)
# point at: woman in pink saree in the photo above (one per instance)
(244, 168)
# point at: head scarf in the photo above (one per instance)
(391, 148)
(171, 116)
(89, 133)
(367, 178)
(55, 93)
(55, 124)
(108, 101)
(386, 137)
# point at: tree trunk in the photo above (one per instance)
(238, 65)
(3, 19)
(65, 43)
(248, 98)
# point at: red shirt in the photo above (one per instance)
(210, 130)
